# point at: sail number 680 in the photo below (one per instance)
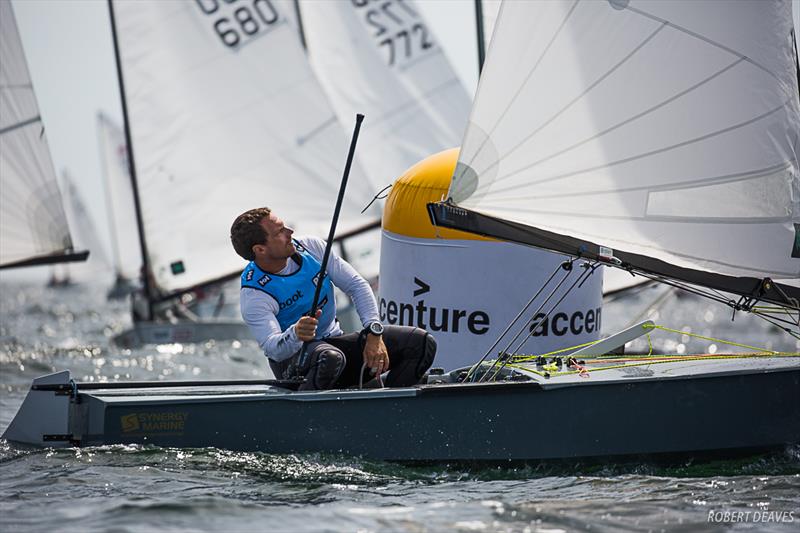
(244, 21)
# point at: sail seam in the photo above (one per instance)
(705, 39)
(572, 102)
(716, 180)
(662, 150)
(522, 85)
(618, 125)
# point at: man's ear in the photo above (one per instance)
(258, 249)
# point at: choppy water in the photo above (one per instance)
(131, 488)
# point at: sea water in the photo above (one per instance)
(135, 488)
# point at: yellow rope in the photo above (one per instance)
(551, 368)
(712, 339)
(667, 359)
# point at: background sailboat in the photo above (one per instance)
(384, 60)
(223, 116)
(126, 257)
(33, 224)
(97, 267)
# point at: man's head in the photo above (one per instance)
(258, 234)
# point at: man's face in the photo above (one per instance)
(279, 243)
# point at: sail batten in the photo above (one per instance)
(665, 131)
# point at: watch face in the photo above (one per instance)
(376, 328)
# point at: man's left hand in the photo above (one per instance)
(375, 354)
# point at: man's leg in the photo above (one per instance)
(411, 352)
(325, 367)
(327, 363)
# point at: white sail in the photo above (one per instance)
(84, 229)
(126, 255)
(226, 115)
(660, 128)
(381, 59)
(32, 219)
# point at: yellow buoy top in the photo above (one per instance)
(406, 211)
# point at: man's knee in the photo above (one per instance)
(327, 364)
(428, 354)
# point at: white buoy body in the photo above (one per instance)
(465, 289)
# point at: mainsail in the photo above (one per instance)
(33, 225)
(381, 59)
(225, 115)
(660, 135)
(127, 260)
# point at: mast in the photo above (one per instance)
(146, 285)
(300, 24)
(479, 34)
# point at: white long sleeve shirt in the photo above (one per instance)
(260, 310)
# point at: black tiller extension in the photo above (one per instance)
(302, 364)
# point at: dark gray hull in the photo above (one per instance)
(697, 414)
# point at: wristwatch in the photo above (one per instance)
(376, 328)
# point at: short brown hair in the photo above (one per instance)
(246, 231)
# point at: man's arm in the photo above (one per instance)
(344, 276)
(259, 311)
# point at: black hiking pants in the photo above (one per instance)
(336, 362)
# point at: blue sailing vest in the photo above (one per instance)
(295, 292)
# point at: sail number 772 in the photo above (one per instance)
(396, 28)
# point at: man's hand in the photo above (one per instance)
(306, 327)
(375, 354)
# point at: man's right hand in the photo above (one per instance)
(306, 327)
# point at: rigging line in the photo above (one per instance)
(660, 150)
(674, 186)
(577, 283)
(714, 295)
(22, 124)
(583, 276)
(703, 38)
(572, 102)
(533, 317)
(655, 304)
(776, 322)
(528, 322)
(618, 125)
(524, 82)
(519, 315)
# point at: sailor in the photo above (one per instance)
(277, 293)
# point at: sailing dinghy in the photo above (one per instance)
(126, 259)
(222, 113)
(589, 404)
(33, 223)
